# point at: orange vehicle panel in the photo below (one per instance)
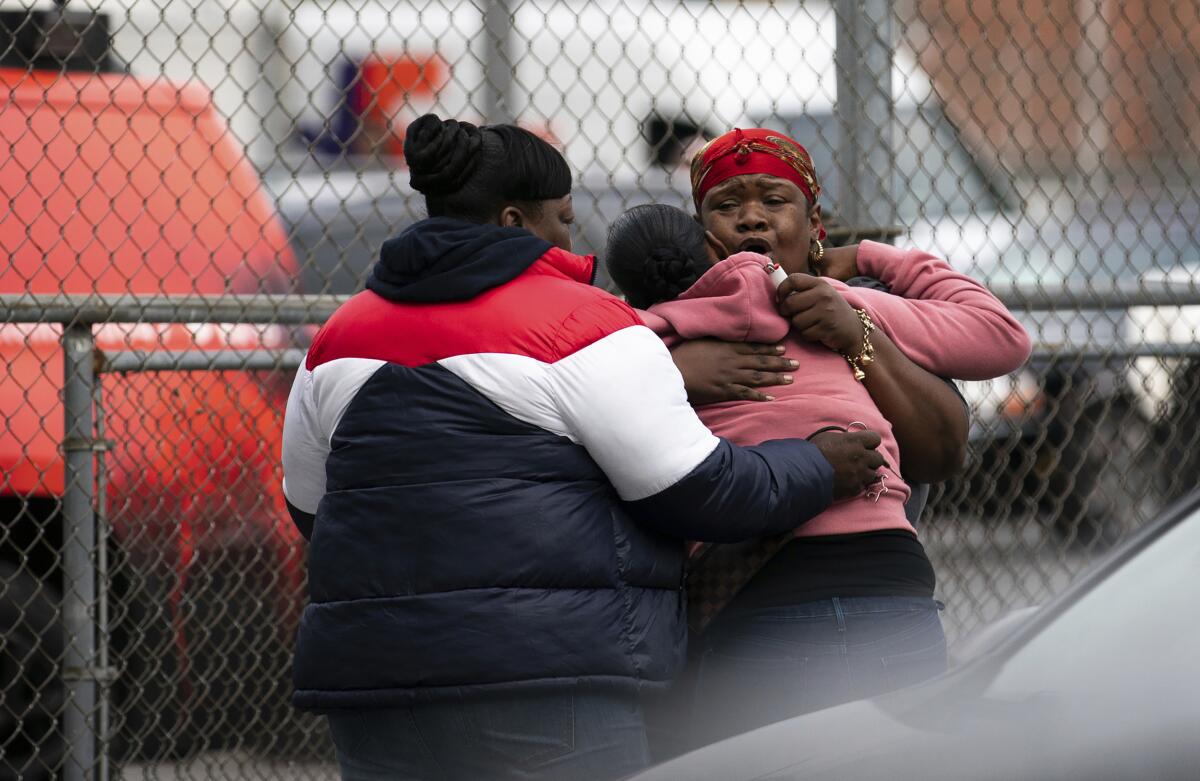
(113, 185)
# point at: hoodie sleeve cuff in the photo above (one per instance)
(659, 325)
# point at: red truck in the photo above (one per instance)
(111, 184)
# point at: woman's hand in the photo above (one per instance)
(818, 313)
(854, 458)
(716, 250)
(730, 371)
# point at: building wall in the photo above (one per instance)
(1054, 85)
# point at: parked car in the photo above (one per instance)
(1100, 683)
(111, 184)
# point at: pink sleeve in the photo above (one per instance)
(660, 326)
(944, 321)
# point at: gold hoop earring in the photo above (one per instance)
(816, 252)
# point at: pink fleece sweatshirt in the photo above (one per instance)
(943, 321)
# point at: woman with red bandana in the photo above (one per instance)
(751, 192)
(845, 608)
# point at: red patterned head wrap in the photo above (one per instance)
(753, 151)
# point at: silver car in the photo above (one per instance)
(1102, 683)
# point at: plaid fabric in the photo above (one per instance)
(716, 573)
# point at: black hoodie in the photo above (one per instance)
(446, 259)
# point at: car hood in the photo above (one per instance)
(806, 746)
(952, 728)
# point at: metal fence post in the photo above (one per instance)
(497, 70)
(866, 153)
(79, 547)
(103, 576)
(1094, 48)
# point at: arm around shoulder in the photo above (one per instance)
(944, 321)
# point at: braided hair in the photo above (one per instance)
(654, 253)
(473, 172)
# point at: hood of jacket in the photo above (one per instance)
(734, 301)
(446, 259)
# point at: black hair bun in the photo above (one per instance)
(669, 271)
(441, 154)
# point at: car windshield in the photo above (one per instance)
(1143, 620)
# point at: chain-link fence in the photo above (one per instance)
(187, 187)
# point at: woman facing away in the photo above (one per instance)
(845, 610)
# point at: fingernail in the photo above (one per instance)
(787, 378)
(794, 364)
(779, 348)
(769, 398)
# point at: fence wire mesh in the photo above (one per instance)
(218, 149)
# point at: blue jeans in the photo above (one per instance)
(568, 734)
(774, 663)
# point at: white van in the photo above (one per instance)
(589, 72)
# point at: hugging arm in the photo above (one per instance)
(928, 417)
(944, 321)
(946, 325)
(622, 399)
(715, 371)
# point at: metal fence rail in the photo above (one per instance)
(228, 308)
(183, 201)
(85, 670)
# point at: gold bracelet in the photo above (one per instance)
(866, 356)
